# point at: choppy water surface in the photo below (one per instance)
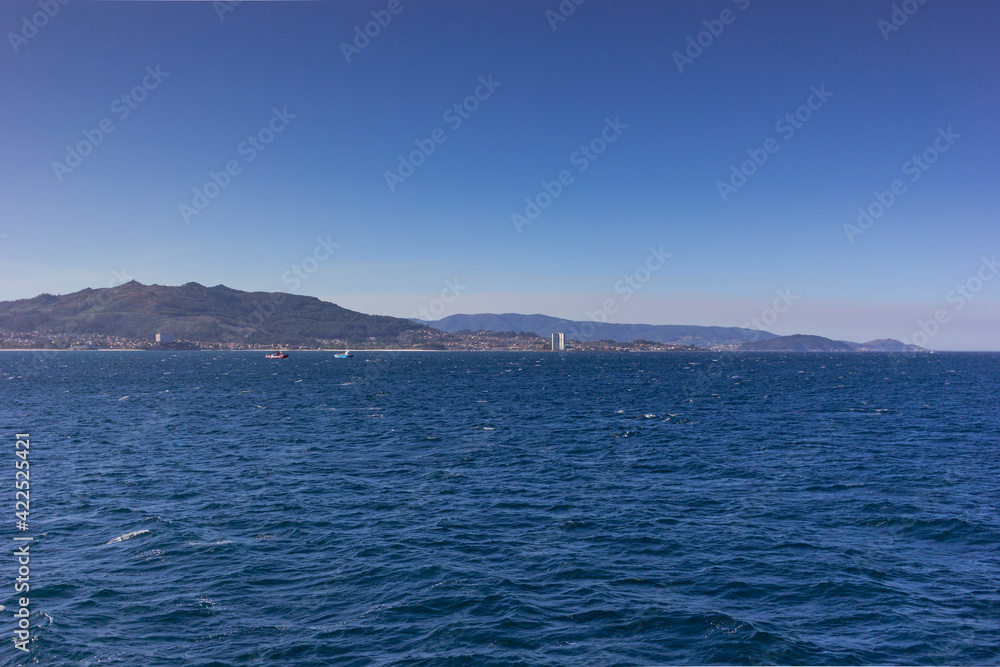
(492, 509)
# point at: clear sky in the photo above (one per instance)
(833, 100)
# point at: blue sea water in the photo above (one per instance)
(505, 508)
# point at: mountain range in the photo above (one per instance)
(587, 331)
(221, 315)
(195, 312)
(736, 338)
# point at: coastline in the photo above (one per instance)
(337, 351)
(49, 349)
(262, 351)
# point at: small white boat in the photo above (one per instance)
(346, 355)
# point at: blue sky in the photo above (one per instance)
(443, 240)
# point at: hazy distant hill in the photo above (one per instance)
(797, 343)
(543, 325)
(198, 313)
(886, 345)
(802, 343)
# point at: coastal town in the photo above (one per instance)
(425, 339)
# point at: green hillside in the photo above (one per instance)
(198, 313)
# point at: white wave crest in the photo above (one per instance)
(127, 536)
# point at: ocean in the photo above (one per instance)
(200, 508)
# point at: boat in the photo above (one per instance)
(346, 355)
(277, 355)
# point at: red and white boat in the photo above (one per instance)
(277, 355)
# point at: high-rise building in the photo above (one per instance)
(164, 338)
(558, 341)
